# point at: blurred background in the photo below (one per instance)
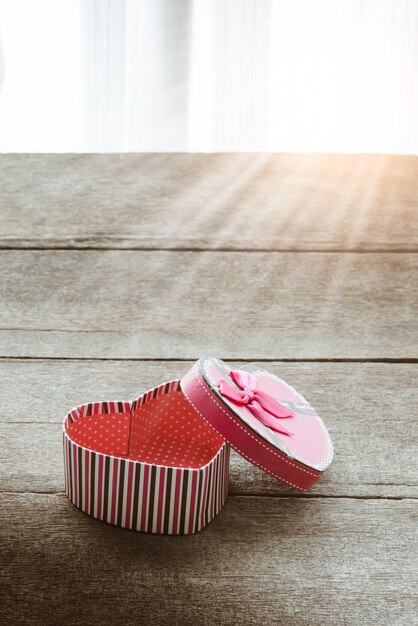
(209, 75)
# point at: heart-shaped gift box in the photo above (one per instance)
(160, 464)
(151, 465)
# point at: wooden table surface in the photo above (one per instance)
(116, 272)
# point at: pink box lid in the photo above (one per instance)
(263, 418)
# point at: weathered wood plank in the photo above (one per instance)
(252, 201)
(123, 304)
(262, 561)
(369, 409)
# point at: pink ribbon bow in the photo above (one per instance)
(265, 408)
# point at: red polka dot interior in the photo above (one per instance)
(165, 431)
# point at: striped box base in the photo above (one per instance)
(151, 465)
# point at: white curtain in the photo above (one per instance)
(210, 75)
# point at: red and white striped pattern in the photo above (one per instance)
(140, 496)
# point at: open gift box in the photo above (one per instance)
(160, 464)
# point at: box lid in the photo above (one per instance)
(263, 418)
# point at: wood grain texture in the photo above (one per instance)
(262, 561)
(374, 442)
(233, 201)
(245, 256)
(123, 304)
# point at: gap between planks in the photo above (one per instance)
(249, 494)
(81, 248)
(406, 360)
